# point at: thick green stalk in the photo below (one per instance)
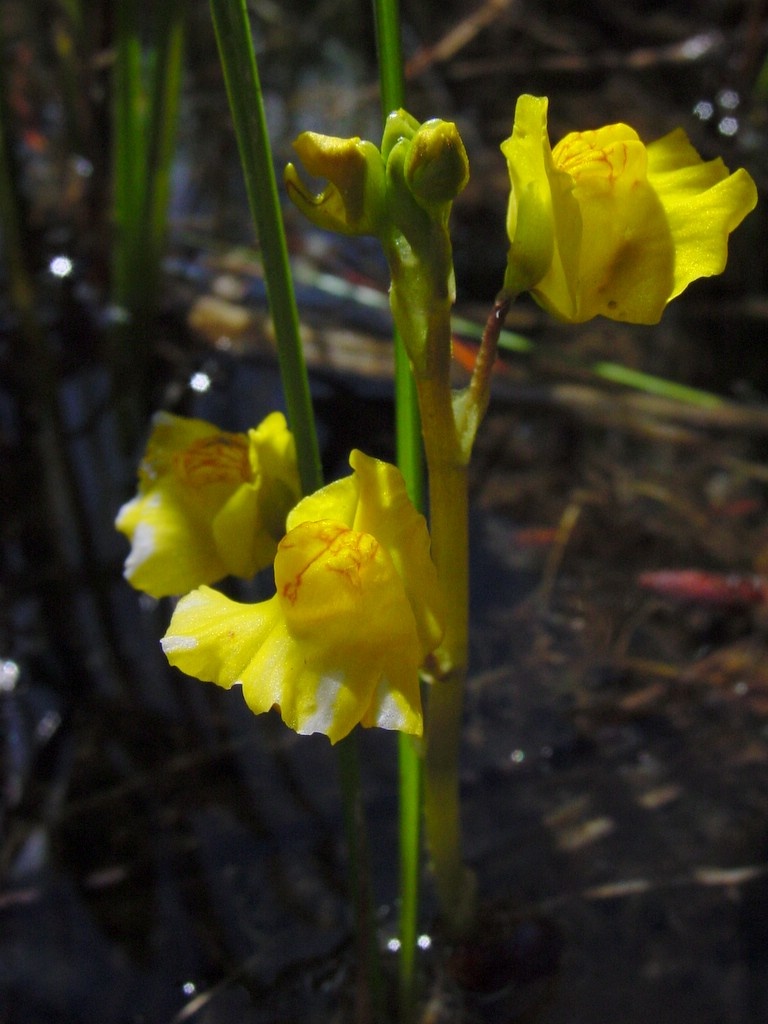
(450, 425)
(410, 456)
(422, 304)
(447, 471)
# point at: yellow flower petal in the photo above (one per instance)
(530, 216)
(345, 603)
(374, 500)
(627, 227)
(627, 275)
(213, 637)
(385, 510)
(703, 204)
(210, 503)
(169, 553)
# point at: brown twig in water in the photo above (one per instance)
(456, 39)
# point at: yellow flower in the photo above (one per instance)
(603, 224)
(209, 504)
(355, 613)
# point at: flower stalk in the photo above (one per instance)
(450, 424)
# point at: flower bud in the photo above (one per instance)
(353, 201)
(436, 168)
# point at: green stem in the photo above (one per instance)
(390, 54)
(410, 459)
(128, 338)
(241, 76)
(410, 787)
(129, 156)
(441, 767)
(144, 144)
(369, 991)
(162, 120)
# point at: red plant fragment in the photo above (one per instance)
(731, 590)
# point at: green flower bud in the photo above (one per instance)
(437, 168)
(398, 125)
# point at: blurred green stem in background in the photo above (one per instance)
(146, 91)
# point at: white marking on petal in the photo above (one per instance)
(142, 547)
(321, 721)
(389, 714)
(171, 644)
(194, 599)
(125, 510)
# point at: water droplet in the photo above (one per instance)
(9, 676)
(47, 726)
(698, 45)
(703, 110)
(83, 166)
(728, 99)
(200, 382)
(61, 266)
(728, 126)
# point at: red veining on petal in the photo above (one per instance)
(350, 554)
(326, 534)
(345, 552)
(222, 458)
